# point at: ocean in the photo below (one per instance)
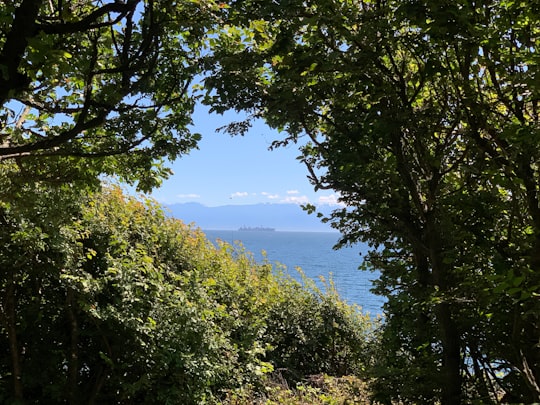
(313, 253)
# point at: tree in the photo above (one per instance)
(106, 81)
(424, 116)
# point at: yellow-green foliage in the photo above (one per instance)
(319, 389)
(144, 309)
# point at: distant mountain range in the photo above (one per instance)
(282, 217)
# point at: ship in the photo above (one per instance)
(256, 229)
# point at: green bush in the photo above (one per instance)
(313, 331)
(120, 303)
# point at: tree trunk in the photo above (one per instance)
(73, 362)
(423, 326)
(528, 337)
(451, 364)
(22, 28)
(10, 320)
(450, 338)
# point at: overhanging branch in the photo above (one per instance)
(91, 20)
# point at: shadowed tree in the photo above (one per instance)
(109, 81)
(424, 116)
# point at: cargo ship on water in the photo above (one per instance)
(256, 229)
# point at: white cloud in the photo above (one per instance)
(188, 196)
(239, 194)
(293, 192)
(296, 200)
(332, 199)
(270, 196)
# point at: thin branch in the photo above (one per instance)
(314, 178)
(89, 22)
(26, 150)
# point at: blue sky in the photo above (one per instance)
(239, 170)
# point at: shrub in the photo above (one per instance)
(127, 305)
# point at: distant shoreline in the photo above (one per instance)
(282, 217)
(256, 229)
(275, 231)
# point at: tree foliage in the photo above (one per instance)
(109, 81)
(424, 115)
(107, 300)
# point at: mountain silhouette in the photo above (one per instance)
(282, 217)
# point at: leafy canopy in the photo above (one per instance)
(109, 81)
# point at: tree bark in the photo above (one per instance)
(528, 335)
(451, 364)
(22, 28)
(451, 383)
(10, 319)
(73, 362)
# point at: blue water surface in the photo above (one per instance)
(313, 252)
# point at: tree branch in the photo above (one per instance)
(22, 28)
(25, 150)
(90, 21)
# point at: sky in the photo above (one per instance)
(228, 170)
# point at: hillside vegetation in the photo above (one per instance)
(106, 300)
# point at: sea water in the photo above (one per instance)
(313, 252)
